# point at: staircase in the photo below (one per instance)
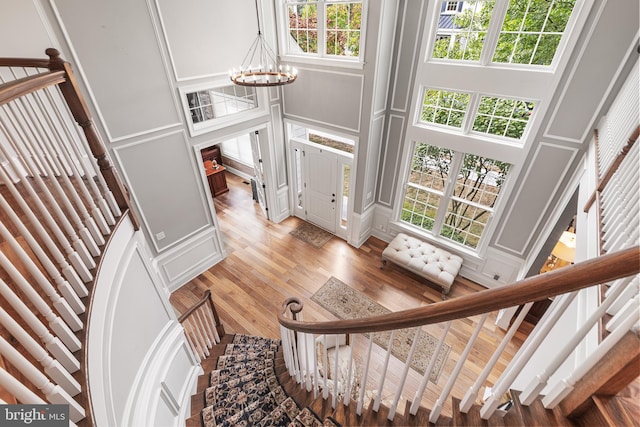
(246, 383)
(243, 385)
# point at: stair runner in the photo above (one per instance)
(244, 389)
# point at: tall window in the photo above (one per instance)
(452, 194)
(529, 31)
(324, 28)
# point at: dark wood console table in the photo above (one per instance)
(217, 180)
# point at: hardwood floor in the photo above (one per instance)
(266, 265)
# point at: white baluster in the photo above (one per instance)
(74, 258)
(531, 391)
(213, 325)
(365, 375)
(437, 407)
(286, 350)
(65, 288)
(52, 343)
(562, 388)
(472, 394)
(336, 376)
(27, 158)
(316, 374)
(376, 402)
(72, 141)
(403, 378)
(203, 330)
(54, 393)
(296, 356)
(22, 393)
(62, 305)
(307, 368)
(112, 205)
(24, 143)
(97, 224)
(524, 354)
(325, 363)
(428, 372)
(349, 385)
(192, 344)
(195, 332)
(52, 367)
(57, 325)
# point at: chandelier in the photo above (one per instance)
(261, 66)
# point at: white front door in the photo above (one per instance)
(259, 173)
(320, 170)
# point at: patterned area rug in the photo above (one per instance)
(347, 303)
(311, 234)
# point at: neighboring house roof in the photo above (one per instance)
(447, 22)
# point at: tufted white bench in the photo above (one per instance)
(425, 260)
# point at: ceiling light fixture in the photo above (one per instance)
(261, 66)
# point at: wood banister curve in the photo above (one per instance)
(26, 85)
(578, 276)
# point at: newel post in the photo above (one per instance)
(75, 101)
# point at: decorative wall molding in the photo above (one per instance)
(189, 259)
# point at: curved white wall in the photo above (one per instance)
(140, 369)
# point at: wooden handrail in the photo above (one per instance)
(205, 298)
(26, 85)
(24, 62)
(588, 273)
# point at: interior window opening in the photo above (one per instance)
(323, 138)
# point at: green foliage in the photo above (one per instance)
(303, 26)
(467, 44)
(445, 108)
(342, 27)
(343, 21)
(530, 33)
(477, 185)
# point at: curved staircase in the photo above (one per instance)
(243, 385)
(246, 383)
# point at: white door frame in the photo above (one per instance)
(297, 209)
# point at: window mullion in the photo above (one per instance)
(493, 32)
(322, 28)
(443, 208)
(472, 110)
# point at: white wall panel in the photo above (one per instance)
(325, 97)
(197, 32)
(15, 17)
(546, 171)
(116, 50)
(574, 112)
(161, 175)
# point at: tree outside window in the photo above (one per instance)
(324, 28)
(530, 31)
(457, 208)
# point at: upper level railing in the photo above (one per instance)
(299, 337)
(60, 200)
